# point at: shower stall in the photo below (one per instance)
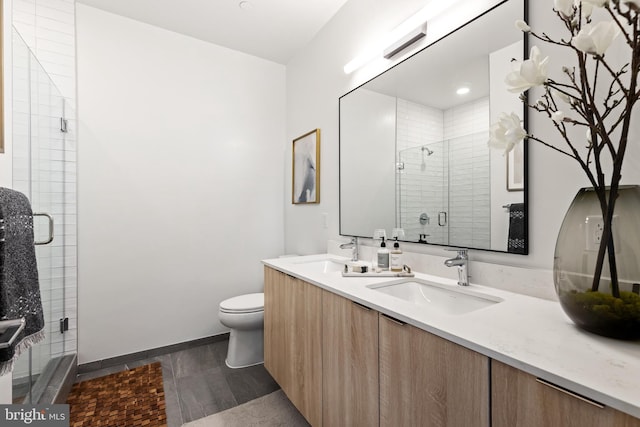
(443, 190)
(44, 169)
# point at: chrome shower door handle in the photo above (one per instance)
(50, 218)
(442, 218)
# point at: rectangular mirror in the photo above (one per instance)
(414, 153)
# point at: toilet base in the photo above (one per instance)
(246, 348)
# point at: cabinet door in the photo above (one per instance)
(349, 363)
(520, 400)
(274, 324)
(428, 381)
(293, 341)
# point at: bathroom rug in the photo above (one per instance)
(129, 398)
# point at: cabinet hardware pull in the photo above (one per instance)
(396, 321)
(364, 307)
(570, 393)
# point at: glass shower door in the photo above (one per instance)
(39, 168)
(423, 192)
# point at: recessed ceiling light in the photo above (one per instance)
(463, 90)
(245, 5)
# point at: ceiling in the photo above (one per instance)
(271, 29)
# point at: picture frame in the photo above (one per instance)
(515, 168)
(305, 186)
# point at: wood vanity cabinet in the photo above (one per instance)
(426, 380)
(518, 399)
(349, 363)
(293, 340)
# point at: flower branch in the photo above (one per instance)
(605, 115)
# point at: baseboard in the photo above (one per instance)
(146, 354)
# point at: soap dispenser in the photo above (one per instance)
(383, 256)
(395, 257)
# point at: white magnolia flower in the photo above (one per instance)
(596, 39)
(558, 116)
(522, 26)
(529, 73)
(506, 132)
(587, 9)
(565, 7)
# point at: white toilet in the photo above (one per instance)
(244, 315)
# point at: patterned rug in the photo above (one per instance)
(130, 398)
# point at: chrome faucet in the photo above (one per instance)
(353, 245)
(461, 261)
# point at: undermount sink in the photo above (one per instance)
(436, 297)
(327, 265)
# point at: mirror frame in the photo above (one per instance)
(525, 55)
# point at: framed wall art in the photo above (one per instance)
(306, 168)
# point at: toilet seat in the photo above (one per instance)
(249, 303)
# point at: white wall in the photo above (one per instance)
(315, 81)
(180, 182)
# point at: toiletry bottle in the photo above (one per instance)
(383, 256)
(395, 257)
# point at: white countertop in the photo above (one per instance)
(528, 333)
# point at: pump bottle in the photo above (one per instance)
(395, 257)
(383, 256)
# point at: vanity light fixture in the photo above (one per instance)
(405, 41)
(360, 61)
(405, 34)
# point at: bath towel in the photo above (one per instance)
(19, 286)
(516, 240)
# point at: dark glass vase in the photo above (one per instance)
(603, 308)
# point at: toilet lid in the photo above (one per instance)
(244, 303)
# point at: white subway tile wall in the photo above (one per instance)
(44, 158)
(443, 173)
(48, 28)
(422, 183)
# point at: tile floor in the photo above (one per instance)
(197, 383)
